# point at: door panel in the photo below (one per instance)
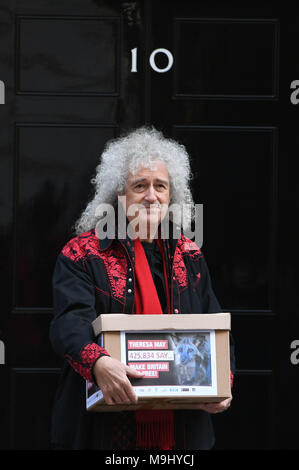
(225, 64)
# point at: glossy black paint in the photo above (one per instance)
(69, 88)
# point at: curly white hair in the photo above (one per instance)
(139, 148)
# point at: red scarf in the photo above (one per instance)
(155, 428)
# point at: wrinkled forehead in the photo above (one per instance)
(154, 169)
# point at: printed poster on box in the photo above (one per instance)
(173, 363)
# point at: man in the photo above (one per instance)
(135, 270)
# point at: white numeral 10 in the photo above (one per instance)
(152, 60)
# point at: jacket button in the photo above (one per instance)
(130, 279)
(130, 291)
(176, 310)
(130, 269)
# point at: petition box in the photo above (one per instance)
(185, 358)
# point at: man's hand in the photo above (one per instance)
(111, 377)
(216, 407)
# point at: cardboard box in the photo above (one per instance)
(185, 358)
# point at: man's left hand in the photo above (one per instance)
(216, 407)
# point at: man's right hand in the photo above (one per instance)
(111, 377)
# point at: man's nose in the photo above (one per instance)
(151, 195)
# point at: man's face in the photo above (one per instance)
(149, 188)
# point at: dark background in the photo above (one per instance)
(66, 67)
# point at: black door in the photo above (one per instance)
(218, 77)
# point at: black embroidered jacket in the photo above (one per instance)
(95, 276)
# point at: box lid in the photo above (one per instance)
(194, 321)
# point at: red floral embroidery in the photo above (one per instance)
(189, 245)
(86, 246)
(116, 266)
(179, 269)
(89, 354)
(82, 246)
(184, 247)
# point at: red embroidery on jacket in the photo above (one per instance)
(88, 355)
(179, 269)
(184, 247)
(86, 246)
(116, 266)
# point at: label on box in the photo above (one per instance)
(173, 363)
